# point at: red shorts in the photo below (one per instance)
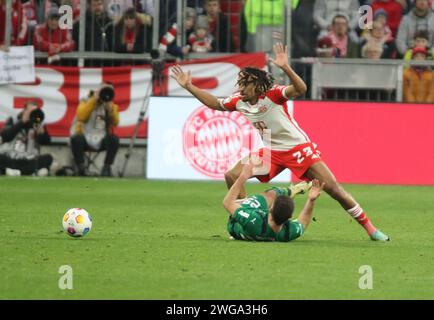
(297, 159)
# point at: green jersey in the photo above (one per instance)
(250, 222)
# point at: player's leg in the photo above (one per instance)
(270, 195)
(299, 188)
(320, 171)
(291, 191)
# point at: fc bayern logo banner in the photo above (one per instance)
(188, 141)
(215, 140)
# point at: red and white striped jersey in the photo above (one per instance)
(270, 112)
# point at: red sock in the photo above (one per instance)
(358, 214)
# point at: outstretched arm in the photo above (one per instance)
(305, 216)
(184, 80)
(298, 87)
(230, 200)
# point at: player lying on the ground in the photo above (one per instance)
(266, 216)
(265, 106)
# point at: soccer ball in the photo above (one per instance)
(77, 222)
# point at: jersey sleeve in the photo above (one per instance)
(277, 94)
(230, 103)
(291, 230)
(296, 230)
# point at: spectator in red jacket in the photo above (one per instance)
(48, 37)
(19, 24)
(30, 10)
(394, 11)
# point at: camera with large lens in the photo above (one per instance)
(106, 94)
(36, 117)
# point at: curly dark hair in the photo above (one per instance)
(262, 80)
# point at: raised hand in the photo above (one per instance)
(184, 79)
(281, 55)
(316, 189)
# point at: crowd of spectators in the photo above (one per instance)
(336, 25)
(400, 29)
(122, 26)
(111, 26)
(320, 28)
(228, 26)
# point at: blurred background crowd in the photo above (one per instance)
(319, 28)
(182, 29)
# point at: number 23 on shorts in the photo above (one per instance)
(306, 152)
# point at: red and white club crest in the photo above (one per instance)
(215, 140)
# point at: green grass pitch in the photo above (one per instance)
(168, 240)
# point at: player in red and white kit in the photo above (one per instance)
(264, 105)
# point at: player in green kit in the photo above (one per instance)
(266, 216)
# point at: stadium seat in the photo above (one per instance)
(90, 158)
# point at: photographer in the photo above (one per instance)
(93, 126)
(19, 141)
